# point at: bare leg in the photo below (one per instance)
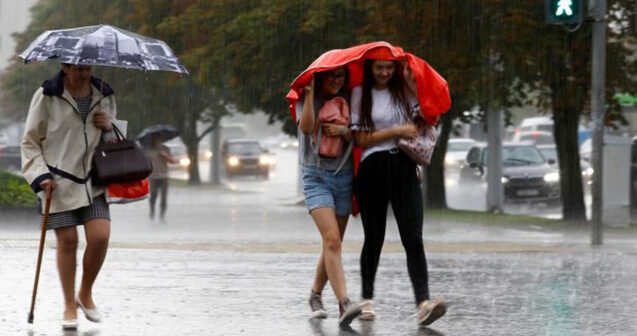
(66, 260)
(321, 274)
(97, 235)
(326, 222)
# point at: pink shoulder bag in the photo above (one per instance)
(421, 148)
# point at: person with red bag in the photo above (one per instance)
(328, 181)
(382, 108)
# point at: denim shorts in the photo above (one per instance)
(323, 189)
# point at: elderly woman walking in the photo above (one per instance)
(66, 119)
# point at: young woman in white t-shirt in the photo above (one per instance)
(381, 109)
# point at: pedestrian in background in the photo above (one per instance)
(65, 122)
(159, 154)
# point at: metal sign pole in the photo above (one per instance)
(598, 114)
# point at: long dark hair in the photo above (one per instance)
(396, 87)
(319, 77)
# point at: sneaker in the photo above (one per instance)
(316, 304)
(429, 311)
(367, 313)
(349, 311)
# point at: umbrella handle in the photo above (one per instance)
(45, 220)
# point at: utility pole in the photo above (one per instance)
(598, 82)
(215, 160)
(494, 160)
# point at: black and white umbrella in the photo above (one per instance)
(166, 132)
(103, 45)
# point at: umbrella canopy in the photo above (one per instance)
(103, 45)
(166, 132)
(433, 91)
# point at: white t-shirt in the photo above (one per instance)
(386, 113)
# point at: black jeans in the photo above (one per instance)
(391, 177)
(155, 186)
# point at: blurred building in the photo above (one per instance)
(14, 17)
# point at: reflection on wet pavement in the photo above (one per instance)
(169, 292)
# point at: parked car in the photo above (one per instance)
(527, 176)
(10, 158)
(535, 137)
(542, 124)
(246, 157)
(457, 149)
(550, 154)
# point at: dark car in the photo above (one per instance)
(10, 158)
(526, 175)
(550, 154)
(245, 157)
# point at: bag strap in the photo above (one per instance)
(118, 133)
(348, 151)
(317, 144)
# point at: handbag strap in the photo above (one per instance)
(345, 157)
(118, 133)
(317, 144)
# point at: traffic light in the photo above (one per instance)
(561, 12)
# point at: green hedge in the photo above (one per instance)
(15, 191)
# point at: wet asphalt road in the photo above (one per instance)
(185, 292)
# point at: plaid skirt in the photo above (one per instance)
(98, 210)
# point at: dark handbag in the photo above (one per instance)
(119, 162)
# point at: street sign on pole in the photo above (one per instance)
(561, 12)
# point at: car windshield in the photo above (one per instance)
(549, 153)
(244, 148)
(459, 146)
(518, 156)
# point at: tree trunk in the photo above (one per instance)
(191, 141)
(193, 169)
(215, 166)
(566, 122)
(435, 196)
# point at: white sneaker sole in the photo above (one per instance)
(319, 314)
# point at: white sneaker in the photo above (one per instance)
(368, 311)
(316, 305)
(92, 315)
(429, 311)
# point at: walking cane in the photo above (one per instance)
(49, 195)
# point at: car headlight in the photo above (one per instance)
(295, 143)
(552, 177)
(233, 161)
(208, 154)
(450, 161)
(588, 172)
(272, 161)
(264, 160)
(185, 162)
(505, 180)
